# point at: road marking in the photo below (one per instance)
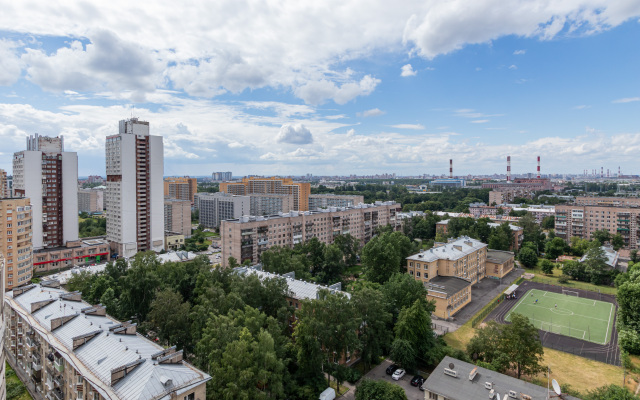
(606, 335)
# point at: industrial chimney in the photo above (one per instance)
(538, 167)
(508, 169)
(601, 172)
(450, 169)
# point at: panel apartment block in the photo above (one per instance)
(177, 216)
(71, 349)
(221, 176)
(91, 200)
(247, 237)
(317, 201)
(582, 220)
(134, 194)
(3, 386)
(181, 188)
(16, 221)
(4, 184)
(273, 185)
(216, 207)
(48, 175)
(269, 204)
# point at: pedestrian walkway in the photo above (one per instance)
(350, 394)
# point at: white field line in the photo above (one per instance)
(517, 305)
(561, 326)
(606, 335)
(570, 301)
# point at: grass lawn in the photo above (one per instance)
(557, 272)
(585, 319)
(343, 389)
(15, 387)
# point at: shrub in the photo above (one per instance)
(563, 278)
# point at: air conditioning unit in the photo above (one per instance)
(513, 394)
(488, 385)
(450, 372)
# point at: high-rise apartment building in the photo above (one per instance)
(221, 176)
(4, 184)
(134, 194)
(333, 200)
(71, 349)
(216, 207)
(247, 237)
(91, 200)
(273, 185)
(3, 386)
(177, 216)
(16, 221)
(269, 204)
(180, 188)
(48, 176)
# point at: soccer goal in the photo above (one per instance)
(570, 293)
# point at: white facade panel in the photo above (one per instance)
(69, 197)
(33, 190)
(128, 213)
(156, 191)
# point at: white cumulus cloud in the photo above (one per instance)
(407, 70)
(374, 112)
(294, 134)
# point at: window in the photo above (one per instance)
(190, 396)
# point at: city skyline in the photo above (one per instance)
(280, 96)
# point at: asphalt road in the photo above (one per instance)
(378, 373)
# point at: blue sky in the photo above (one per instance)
(278, 87)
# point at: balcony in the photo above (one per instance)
(59, 365)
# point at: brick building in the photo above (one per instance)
(181, 188)
(273, 185)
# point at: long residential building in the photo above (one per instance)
(48, 176)
(91, 200)
(177, 216)
(216, 207)
(183, 188)
(269, 204)
(245, 238)
(4, 184)
(222, 176)
(317, 201)
(273, 185)
(583, 220)
(80, 252)
(16, 222)
(529, 183)
(134, 195)
(3, 386)
(71, 349)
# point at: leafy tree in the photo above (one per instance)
(414, 326)
(400, 291)
(531, 231)
(548, 222)
(404, 354)
(384, 255)
(579, 246)
(617, 242)
(634, 255)
(139, 286)
(576, 270)
(521, 343)
(547, 267)
(501, 237)
(555, 248)
(374, 333)
(169, 316)
(595, 265)
(379, 390)
(528, 257)
(601, 235)
(349, 246)
(611, 392)
(333, 265)
(484, 346)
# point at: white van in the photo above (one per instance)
(328, 394)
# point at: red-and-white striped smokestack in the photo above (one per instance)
(451, 168)
(508, 169)
(538, 167)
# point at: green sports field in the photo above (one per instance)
(578, 317)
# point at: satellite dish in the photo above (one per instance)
(451, 365)
(556, 387)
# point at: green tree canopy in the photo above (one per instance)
(385, 255)
(379, 390)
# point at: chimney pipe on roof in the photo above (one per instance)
(451, 168)
(538, 167)
(508, 169)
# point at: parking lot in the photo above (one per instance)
(412, 392)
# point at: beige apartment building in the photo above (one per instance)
(449, 271)
(71, 350)
(3, 386)
(4, 184)
(177, 216)
(272, 185)
(16, 220)
(91, 200)
(333, 200)
(181, 188)
(582, 220)
(506, 195)
(245, 238)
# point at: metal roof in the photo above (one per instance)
(453, 250)
(499, 256)
(100, 354)
(461, 387)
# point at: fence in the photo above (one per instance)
(483, 314)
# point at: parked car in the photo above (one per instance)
(417, 380)
(392, 368)
(398, 374)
